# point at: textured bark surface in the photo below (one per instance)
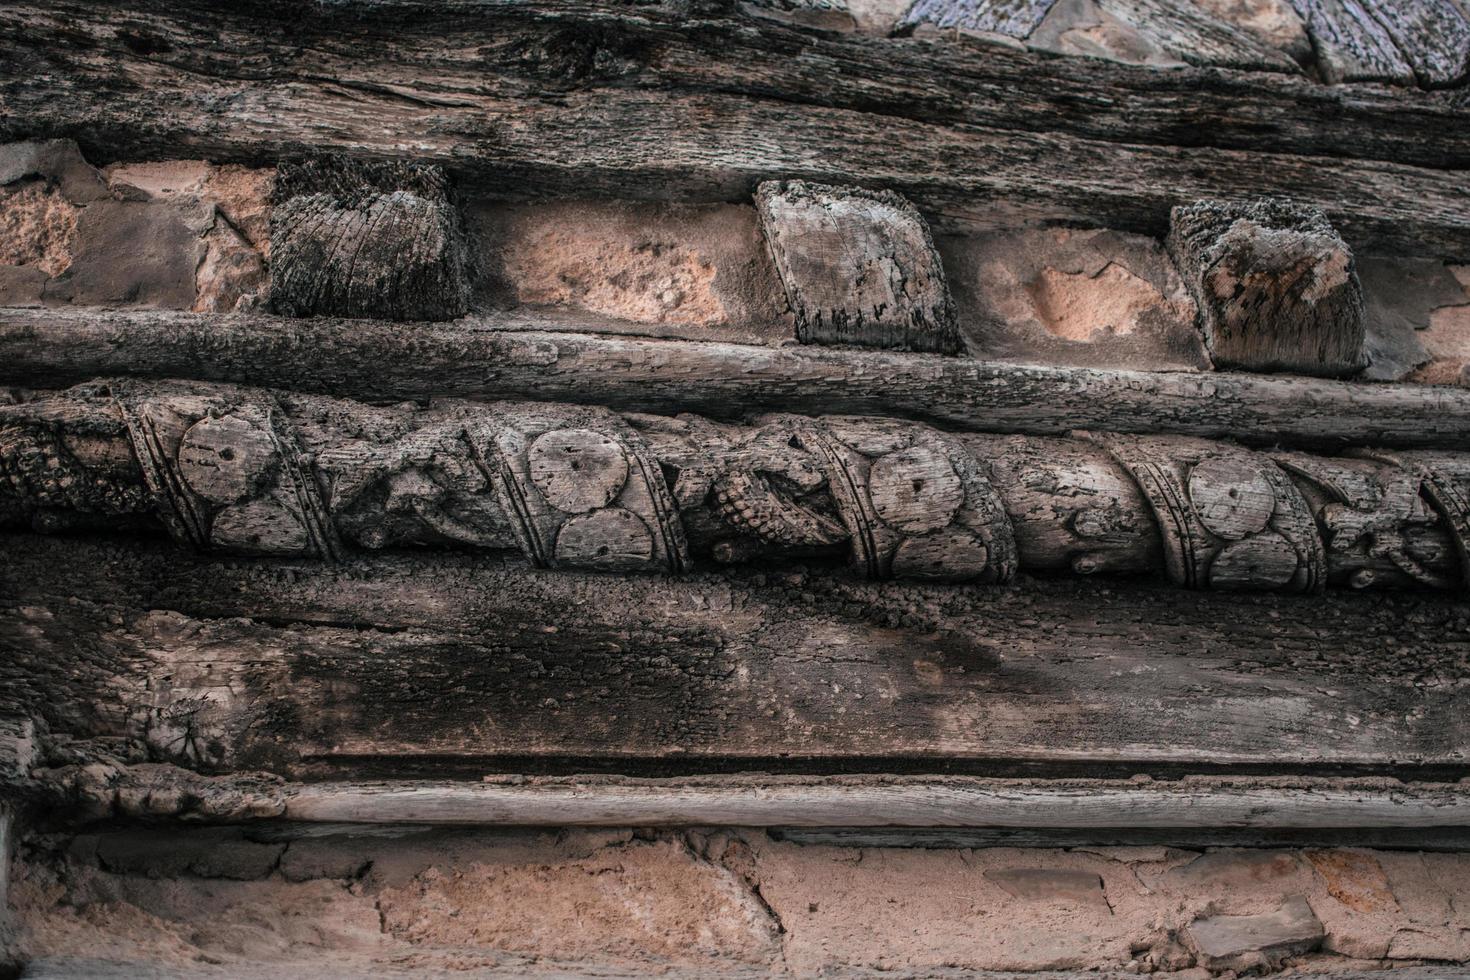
(467, 665)
(521, 356)
(590, 102)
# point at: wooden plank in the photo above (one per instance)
(515, 356)
(465, 664)
(474, 107)
(1379, 838)
(1350, 43)
(873, 802)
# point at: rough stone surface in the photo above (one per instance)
(332, 901)
(1244, 942)
(661, 270)
(1401, 296)
(1065, 296)
(1447, 338)
(178, 234)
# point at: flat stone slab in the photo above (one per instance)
(1237, 942)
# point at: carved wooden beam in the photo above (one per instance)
(513, 355)
(247, 471)
(530, 99)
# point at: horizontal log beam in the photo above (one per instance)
(516, 355)
(407, 664)
(871, 802)
(230, 469)
(805, 807)
(527, 101)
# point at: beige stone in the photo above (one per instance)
(668, 271)
(1076, 297)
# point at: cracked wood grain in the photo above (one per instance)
(408, 663)
(585, 101)
(515, 355)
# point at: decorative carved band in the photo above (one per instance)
(244, 471)
(226, 473)
(1229, 518)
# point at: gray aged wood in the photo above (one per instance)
(1013, 18)
(523, 356)
(377, 240)
(953, 140)
(238, 470)
(1432, 35)
(1276, 286)
(1350, 43)
(858, 266)
(870, 802)
(401, 664)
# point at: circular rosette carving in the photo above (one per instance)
(915, 490)
(916, 505)
(1233, 497)
(1229, 518)
(611, 539)
(228, 459)
(582, 490)
(577, 470)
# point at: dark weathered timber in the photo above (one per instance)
(528, 101)
(858, 266)
(378, 240)
(1432, 35)
(515, 356)
(458, 663)
(1350, 44)
(1013, 18)
(1277, 287)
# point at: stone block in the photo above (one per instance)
(1074, 297)
(1244, 942)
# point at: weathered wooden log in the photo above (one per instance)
(366, 239)
(1276, 286)
(526, 356)
(459, 664)
(246, 471)
(1253, 807)
(1350, 44)
(712, 128)
(1434, 38)
(858, 266)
